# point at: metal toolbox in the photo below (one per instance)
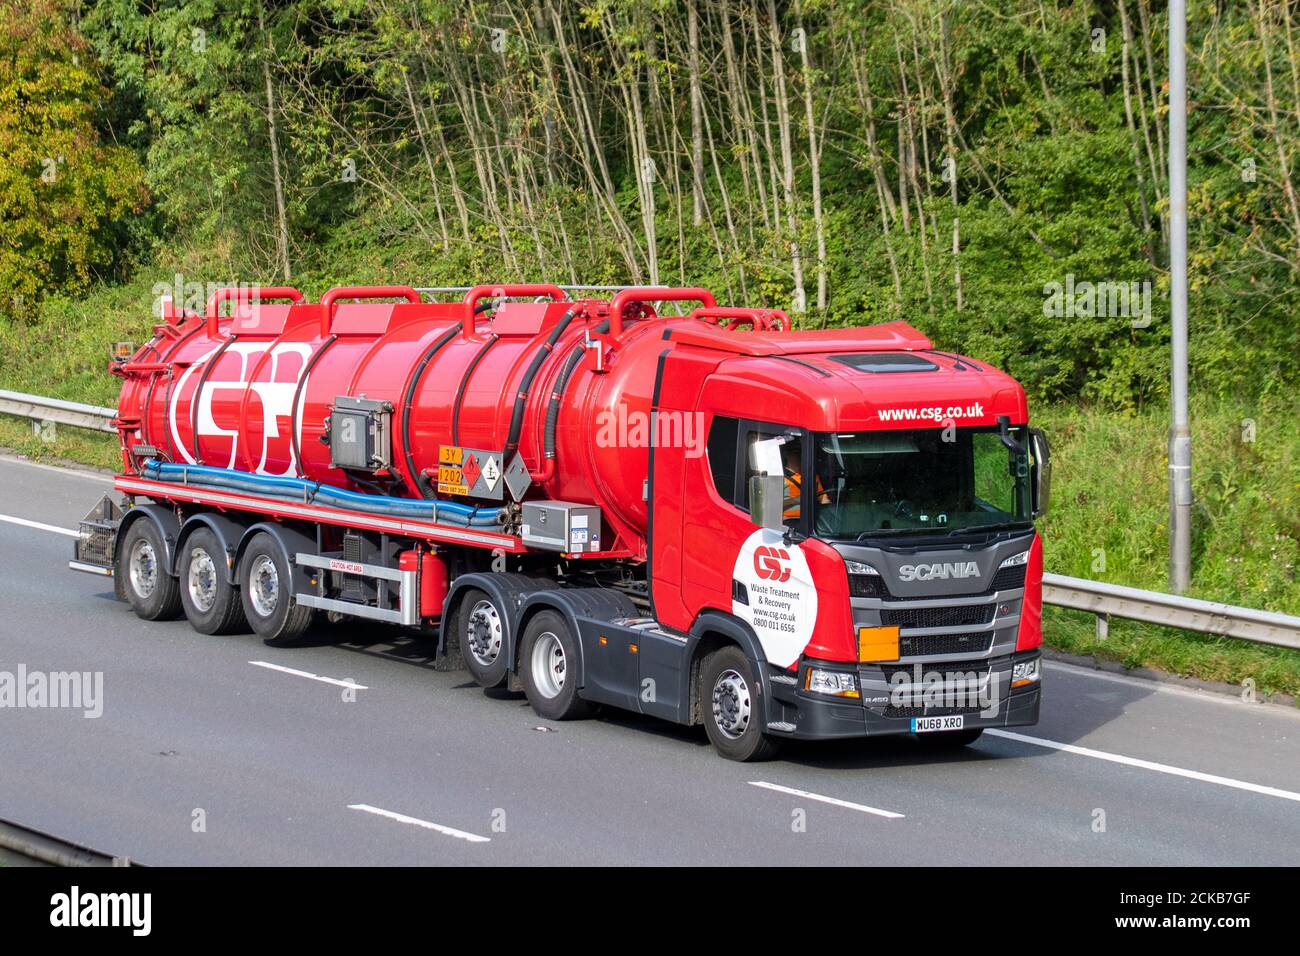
(561, 526)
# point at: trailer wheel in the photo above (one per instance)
(548, 667)
(732, 706)
(482, 639)
(266, 591)
(211, 602)
(152, 593)
(950, 739)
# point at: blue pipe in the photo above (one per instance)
(450, 512)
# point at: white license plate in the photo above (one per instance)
(925, 725)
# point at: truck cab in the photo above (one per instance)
(864, 505)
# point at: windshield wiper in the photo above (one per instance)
(995, 526)
(891, 532)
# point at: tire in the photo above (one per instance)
(481, 629)
(211, 603)
(548, 666)
(266, 593)
(151, 591)
(733, 708)
(950, 739)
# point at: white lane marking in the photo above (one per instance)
(1147, 765)
(1207, 694)
(40, 526)
(416, 821)
(833, 801)
(310, 676)
(102, 478)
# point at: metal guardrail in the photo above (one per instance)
(1096, 597)
(40, 849)
(41, 409)
(1170, 610)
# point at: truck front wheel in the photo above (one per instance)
(266, 589)
(732, 707)
(548, 667)
(152, 593)
(211, 603)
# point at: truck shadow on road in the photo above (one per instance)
(1075, 705)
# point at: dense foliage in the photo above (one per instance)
(64, 194)
(994, 173)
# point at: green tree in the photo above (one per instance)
(64, 194)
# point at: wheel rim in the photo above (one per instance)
(202, 580)
(548, 665)
(484, 633)
(264, 585)
(143, 569)
(731, 705)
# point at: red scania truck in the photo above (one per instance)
(706, 517)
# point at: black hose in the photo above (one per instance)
(464, 381)
(464, 384)
(557, 393)
(422, 483)
(521, 397)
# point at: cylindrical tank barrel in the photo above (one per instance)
(255, 390)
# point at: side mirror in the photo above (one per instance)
(1040, 471)
(767, 501)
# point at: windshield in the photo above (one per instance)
(901, 482)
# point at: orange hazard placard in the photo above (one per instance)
(877, 643)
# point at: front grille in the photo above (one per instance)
(953, 615)
(867, 586)
(948, 669)
(964, 670)
(922, 644)
(894, 711)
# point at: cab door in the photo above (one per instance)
(677, 436)
(717, 523)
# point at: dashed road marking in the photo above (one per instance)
(310, 676)
(833, 801)
(417, 822)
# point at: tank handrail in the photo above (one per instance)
(652, 293)
(500, 291)
(761, 320)
(247, 294)
(330, 298)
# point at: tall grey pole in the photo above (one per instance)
(1180, 433)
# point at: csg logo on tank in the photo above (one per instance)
(245, 403)
(781, 603)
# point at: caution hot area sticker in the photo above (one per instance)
(782, 601)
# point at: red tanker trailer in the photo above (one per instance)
(707, 516)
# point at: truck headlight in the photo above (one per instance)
(1015, 560)
(831, 683)
(859, 567)
(1025, 672)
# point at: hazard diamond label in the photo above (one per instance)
(471, 469)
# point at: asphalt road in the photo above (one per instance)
(209, 752)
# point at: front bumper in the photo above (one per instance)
(887, 704)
